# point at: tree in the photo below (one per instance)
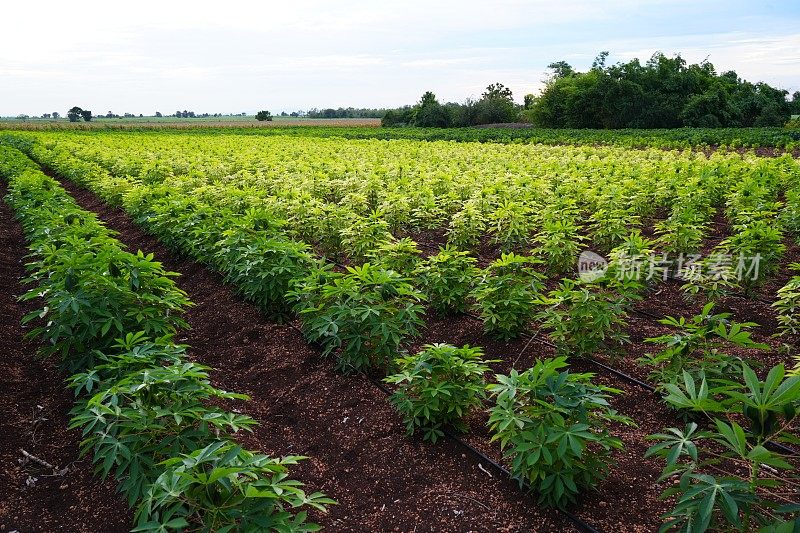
(664, 92)
(795, 104)
(45, 115)
(495, 106)
(529, 100)
(56, 115)
(74, 114)
(261, 116)
(86, 114)
(599, 62)
(561, 69)
(429, 113)
(158, 114)
(497, 90)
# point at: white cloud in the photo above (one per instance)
(245, 55)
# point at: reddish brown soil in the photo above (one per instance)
(35, 413)
(358, 452)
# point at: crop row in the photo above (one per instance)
(365, 314)
(143, 408)
(679, 138)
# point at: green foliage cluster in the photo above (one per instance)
(787, 305)
(447, 279)
(438, 387)
(495, 106)
(744, 498)
(664, 92)
(363, 315)
(584, 317)
(700, 347)
(554, 427)
(507, 295)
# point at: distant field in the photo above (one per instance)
(182, 123)
(767, 141)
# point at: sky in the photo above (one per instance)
(236, 56)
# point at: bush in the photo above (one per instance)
(467, 226)
(507, 295)
(585, 317)
(438, 387)
(363, 315)
(788, 305)
(734, 500)
(262, 267)
(400, 255)
(553, 425)
(558, 244)
(223, 487)
(447, 279)
(699, 347)
(364, 234)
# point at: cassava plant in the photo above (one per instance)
(364, 234)
(363, 316)
(584, 317)
(557, 244)
(401, 255)
(507, 295)
(755, 492)
(788, 305)
(446, 279)
(700, 345)
(467, 226)
(554, 426)
(438, 387)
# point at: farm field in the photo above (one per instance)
(334, 275)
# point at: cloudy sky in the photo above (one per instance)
(235, 56)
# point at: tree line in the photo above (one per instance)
(664, 92)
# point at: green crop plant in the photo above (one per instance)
(554, 427)
(507, 295)
(438, 387)
(700, 347)
(447, 279)
(584, 317)
(363, 315)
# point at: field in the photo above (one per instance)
(245, 122)
(333, 275)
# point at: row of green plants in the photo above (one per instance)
(675, 138)
(146, 412)
(364, 314)
(258, 250)
(553, 425)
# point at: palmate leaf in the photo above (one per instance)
(693, 397)
(676, 443)
(706, 494)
